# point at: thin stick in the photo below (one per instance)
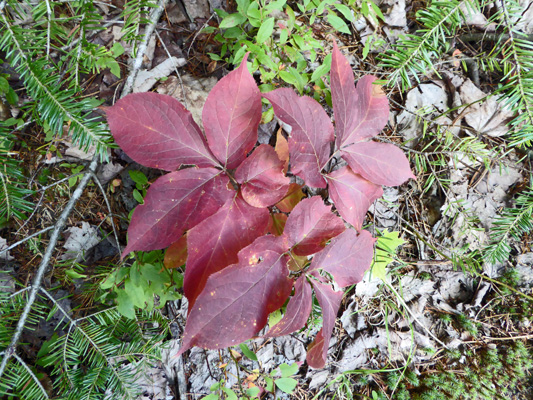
(175, 70)
(97, 181)
(49, 24)
(43, 266)
(400, 299)
(156, 14)
(30, 372)
(26, 239)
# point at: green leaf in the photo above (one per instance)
(74, 275)
(72, 181)
(125, 305)
(242, 6)
(121, 274)
(377, 10)
(135, 275)
(230, 394)
(109, 281)
(323, 69)
(286, 385)
(138, 196)
(151, 272)
(114, 67)
(12, 97)
(210, 397)
(275, 316)
(265, 30)
(253, 391)
(253, 11)
(276, 5)
(267, 116)
(135, 293)
(232, 20)
(338, 23)
(345, 11)
(247, 352)
(288, 370)
(269, 384)
(385, 250)
(117, 49)
(138, 177)
(4, 85)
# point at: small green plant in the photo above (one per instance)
(141, 184)
(282, 41)
(145, 285)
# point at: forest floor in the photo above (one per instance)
(439, 325)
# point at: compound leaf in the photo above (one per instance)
(261, 177)
(312, 133)
(310, 225)
(381, 163)
(352, 195)
(298, 310)
(329, 301)
(157, 131)
(360, 112)
(231, 116)
(347, 257)
(175, 203)
(236, 301)
(215, 243)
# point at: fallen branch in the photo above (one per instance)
(149, 30)
(43, 266)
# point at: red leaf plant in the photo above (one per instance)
(249, 237)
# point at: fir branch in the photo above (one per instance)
(30, 372)
(518, 91)
(53, 104)
(43, 266)
(415, 53)
(156, 14)
(513, 223)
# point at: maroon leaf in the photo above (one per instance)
(282, 150)
(174, 203)
(176, 254)
(298, 310)
(214, 243)
(352, 195)
(381, 163)
(157, 131)
(278, 223)
(293, 197)
(312, 133)
(263, 243)
(329, 301)
(347, 257)
(343, 94)
(310, 225)
(261, 177)
(231, 116)
(359, 113)
(236, 301)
